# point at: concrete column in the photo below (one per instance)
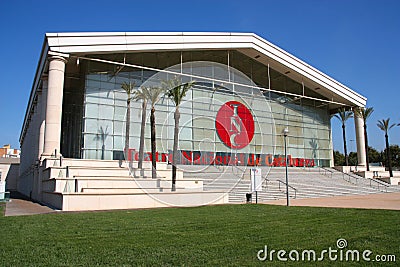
(360, 140)
(331, 148)
(42, 116)
(52, 133)
(36, 124)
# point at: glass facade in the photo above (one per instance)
(220, 77)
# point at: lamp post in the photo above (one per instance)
(285, 133)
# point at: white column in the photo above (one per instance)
(331, 148)
(52, 133)
(37, 119)
(42, 116)
(360, 140)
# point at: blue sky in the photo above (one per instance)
(355, 42)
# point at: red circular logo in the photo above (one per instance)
(235, 125)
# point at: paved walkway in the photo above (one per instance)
(389, 201)
(17, 207)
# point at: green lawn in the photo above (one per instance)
(229, 235)
(2, 208)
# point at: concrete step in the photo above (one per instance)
(64, 172)
(79, 183)
(135, 190)
(99, 163)
(120, 190)
(70, 172)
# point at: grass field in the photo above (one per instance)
(228, 235)
(2, 208)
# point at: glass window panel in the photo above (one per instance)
(105, 126)
(198, 134)
(106, 112)
(91, 110)
(89, 154)
(108, 85)
(160, 118)
(120, 113)
(134, 142)
(221, 72)
(324, 154)
(108, 155)
(185, 145)
(91, 99)
(296, 141)
(120, 95)
(135, 129)
(323, 143)
(90, 141)
(323, 134)
(296, 152)
(105, 97)
(309, 133)
(219, 146)
(108, 142)
(201, 69)
(295, 131)
(309, 154)
(92, 84)
(185, 133)
(119, 142)
(91, 125)
(161, 147)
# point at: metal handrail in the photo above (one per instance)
(266, 181)
(279, 185)
(350, 176)
(325, 171)
(379, 183)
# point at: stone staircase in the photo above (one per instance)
(232, 179)
(71, 175)
(76, 184)
(304, 182)
(363, 182)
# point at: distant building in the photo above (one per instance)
(9, 173)
(7, 152)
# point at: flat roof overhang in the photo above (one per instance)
(250, 44)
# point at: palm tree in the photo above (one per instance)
(140, 95)
(102, 136)
(385, 126)
(129, 89)
(153, 94)
(364, 114)
(343, 115)
(176, 91)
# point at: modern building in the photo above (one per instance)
(246, 91)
